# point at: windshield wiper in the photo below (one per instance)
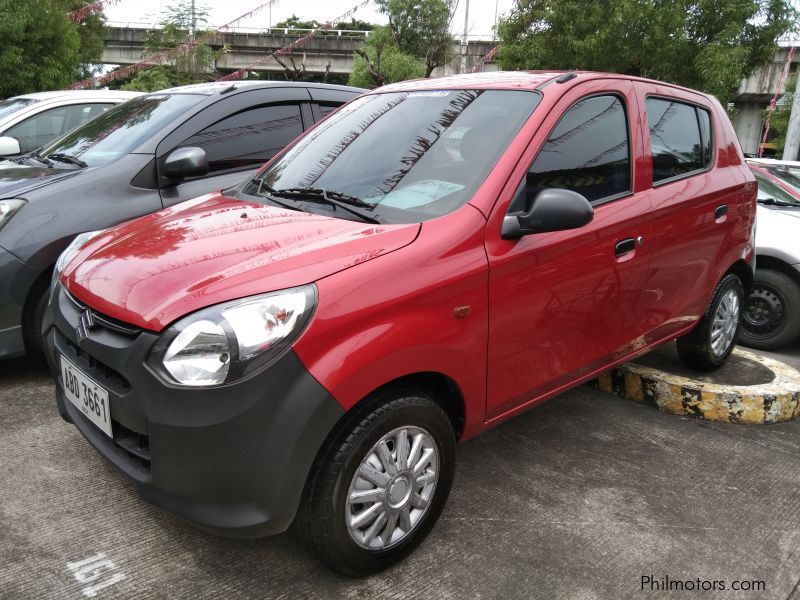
(351, 204)
(67, 158)
(776, 202)
(269, 193)
(30, 159)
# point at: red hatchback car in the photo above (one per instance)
(433, 258)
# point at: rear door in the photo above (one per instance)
(693, 203)
(564, 304)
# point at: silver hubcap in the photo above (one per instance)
(726, 319)
(392, 488)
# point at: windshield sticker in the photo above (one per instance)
(420, 193)
(430, 94)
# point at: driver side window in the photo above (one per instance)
(588, 152)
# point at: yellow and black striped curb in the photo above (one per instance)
(773, 402)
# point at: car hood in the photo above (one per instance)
(158, 268)
(18, 179)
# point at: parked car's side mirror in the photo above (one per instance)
(9, 146)
(185, 162)
(553, 209)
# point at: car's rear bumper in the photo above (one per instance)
(232, 460)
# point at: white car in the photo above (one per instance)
(771, 317)
(30, 121)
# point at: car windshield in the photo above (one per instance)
(402, 157)
(788, 175)
(13, 105)
(121, 129)
(768, 190)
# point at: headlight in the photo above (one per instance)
(73, 248)
(8, 208)
(226, 342)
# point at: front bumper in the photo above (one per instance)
(16, 279)
(232, 460)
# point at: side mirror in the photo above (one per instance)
(186, 162)
(553, 209)
(9, 146)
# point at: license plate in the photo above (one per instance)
(90, 397)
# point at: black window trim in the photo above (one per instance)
(304, 121)
(697, 107)
(621, 98)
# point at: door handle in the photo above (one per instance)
(721, 211)
(624, 246)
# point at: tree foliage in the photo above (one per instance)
(779, 120)
(178, 24)
(416, 41)
(379, 61)
(706, 44)
(421, 29)
(42, 49)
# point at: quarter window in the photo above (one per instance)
(680, 138)
(588, 151)
(249, 138)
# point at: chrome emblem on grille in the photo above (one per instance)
(85, 325)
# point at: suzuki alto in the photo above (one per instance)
(306, 348)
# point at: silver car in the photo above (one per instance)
(771, 318)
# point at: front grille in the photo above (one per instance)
(102, 320)
(94, 368)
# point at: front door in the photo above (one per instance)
(564, 304)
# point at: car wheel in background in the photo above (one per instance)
(33, 317)
(771, 316)
(379, 486)
(709, 345)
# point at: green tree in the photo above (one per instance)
(42, 49)
(379, 61)
(421, 29)
(149, 80)
(180, 23)
(706, 44)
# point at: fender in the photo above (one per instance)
(378, 327)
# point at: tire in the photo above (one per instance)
(33, 318)
(708, 346)
(322, 519)
(771, 316)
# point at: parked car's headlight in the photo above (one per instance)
(73, 248)
(226, 342)
(7, 209)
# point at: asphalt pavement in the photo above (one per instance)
(579, 498)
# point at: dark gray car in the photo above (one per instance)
(147, 154)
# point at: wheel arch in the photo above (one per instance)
(744, 272)
(777, 264)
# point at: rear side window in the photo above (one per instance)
(680, 138)
(249, 138)
(587, 152)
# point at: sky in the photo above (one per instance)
(481, 12)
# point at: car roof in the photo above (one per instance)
(525, 80)
(78, 94)
(215, 87)
(772, 162)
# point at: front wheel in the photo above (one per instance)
(771, 317)
(379, 487)
(709, 345)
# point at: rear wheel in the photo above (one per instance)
(378, 489)
(771, 317)
(709, 345)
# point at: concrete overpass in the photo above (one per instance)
(124, 45)
(754, 95)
